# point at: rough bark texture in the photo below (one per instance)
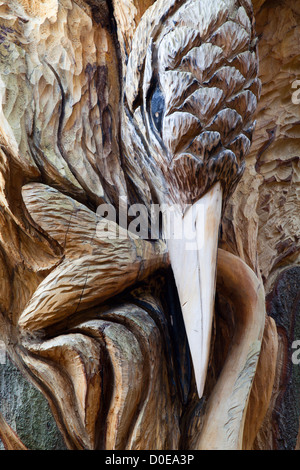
(120, 102)
(266, 203)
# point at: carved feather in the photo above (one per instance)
(200, 64)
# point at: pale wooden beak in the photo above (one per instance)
(193, 257)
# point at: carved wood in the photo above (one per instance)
(9, 437)
(149, 102)
(224, 420)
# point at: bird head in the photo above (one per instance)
(191, 92)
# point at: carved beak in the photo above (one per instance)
(193, 256)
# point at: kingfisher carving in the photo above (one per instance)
(128, 102)
(199, 69)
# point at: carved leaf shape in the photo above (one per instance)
(240, 146)
(177, 86)
(255, 87)
(202, 15)
(229, 79)
(245, 103)
(227, 122)
(178, 129)
(204, 103)
(243, 19)
(206, 144)
(174, 45)
(188, 169)
(202, 61)
(246, 63)
(232, 38)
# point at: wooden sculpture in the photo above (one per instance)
(198, 71)
(112, 104)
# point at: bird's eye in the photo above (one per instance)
(157, 108)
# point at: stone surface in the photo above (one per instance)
(281, 428)
(26, 410)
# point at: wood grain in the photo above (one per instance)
(143, 101)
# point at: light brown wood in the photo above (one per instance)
(144, 101)
(9, 438)
(225, 415)
(262, 388)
